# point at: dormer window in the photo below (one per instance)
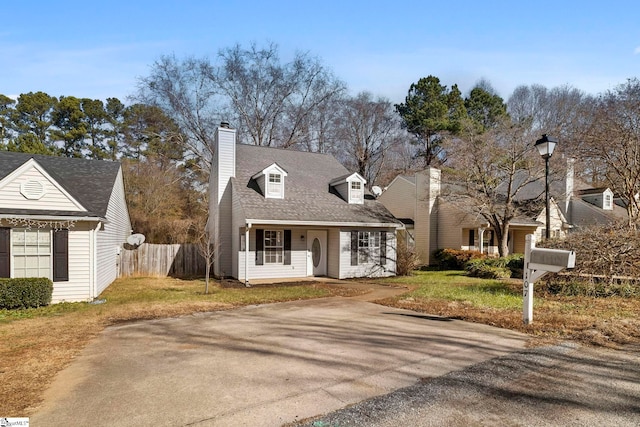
(274, 186)
(271, 181)
(607, 200)
(356, 192)
(350, 187)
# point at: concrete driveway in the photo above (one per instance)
(261, 365)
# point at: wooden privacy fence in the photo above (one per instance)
(180, 260)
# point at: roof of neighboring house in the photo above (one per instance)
(584, 213)
(90, 182)
(308, 195)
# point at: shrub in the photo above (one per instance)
(571, 285)
(25, 293)
(454, 259)
(407, 260)
(485, 269)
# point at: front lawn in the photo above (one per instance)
(601, 321)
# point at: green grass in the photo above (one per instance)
(456, 286)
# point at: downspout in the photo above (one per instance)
(94, 260)
(246, 255)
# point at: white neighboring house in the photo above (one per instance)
(278, 213)
(62, 218)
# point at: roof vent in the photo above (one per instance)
(32, 189)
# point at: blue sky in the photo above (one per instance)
(100, 49)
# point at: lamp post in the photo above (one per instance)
(545, 146)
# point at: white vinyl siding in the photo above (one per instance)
(111, 236)
(53, 199)
(333, 253)
(78, 287)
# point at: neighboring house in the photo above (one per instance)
(62, 218)
(433, 221)
(278, 213)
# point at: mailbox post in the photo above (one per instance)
(537, 263)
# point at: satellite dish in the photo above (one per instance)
(135, 239)
(376, 190)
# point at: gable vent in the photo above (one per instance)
(32, 189)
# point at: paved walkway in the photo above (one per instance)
(262, 365)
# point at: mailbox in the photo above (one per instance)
(553, 260)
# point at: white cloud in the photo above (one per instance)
(637, 51)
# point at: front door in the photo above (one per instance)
(316, 253)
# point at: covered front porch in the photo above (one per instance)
(483, 239)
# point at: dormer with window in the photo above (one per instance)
(350, 187)
(602, 198)
(271, 181)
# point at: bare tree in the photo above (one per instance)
(490, 171)
(613, 141)
(368, 128)
(272, 101)
(185, 91)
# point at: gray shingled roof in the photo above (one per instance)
(308, 196)
(90, 182)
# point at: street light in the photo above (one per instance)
(545, 146)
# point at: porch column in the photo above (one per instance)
(246, 255)
(481, 238)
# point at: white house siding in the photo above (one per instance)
(555, 224)
(334, 252)
(298, 267)
(111, 237)
(77, 288)
(372, 269)
(237, 233)
(224, 168)
(53, 198)
(400, 198)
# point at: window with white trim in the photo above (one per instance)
(274, 185)
(368, 246)
(31, 251)
(356, 191)
(273, 247)
(608, 201)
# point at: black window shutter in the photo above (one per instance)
(287, 247)
(259, 246)
(5, 252)
(383, 248)
(471, 238)
(354, 248)
(491, 240)
(61, 255)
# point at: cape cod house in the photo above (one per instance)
(278, 213)
(432, 221)
(62, 218)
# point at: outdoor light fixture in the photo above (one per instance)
(545, 146)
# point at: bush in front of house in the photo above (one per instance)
(488, 269)
(455, 259)
(28, 292)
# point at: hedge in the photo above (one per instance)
(28, 292)
(454, 259)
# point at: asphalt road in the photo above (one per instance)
(564, 385)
